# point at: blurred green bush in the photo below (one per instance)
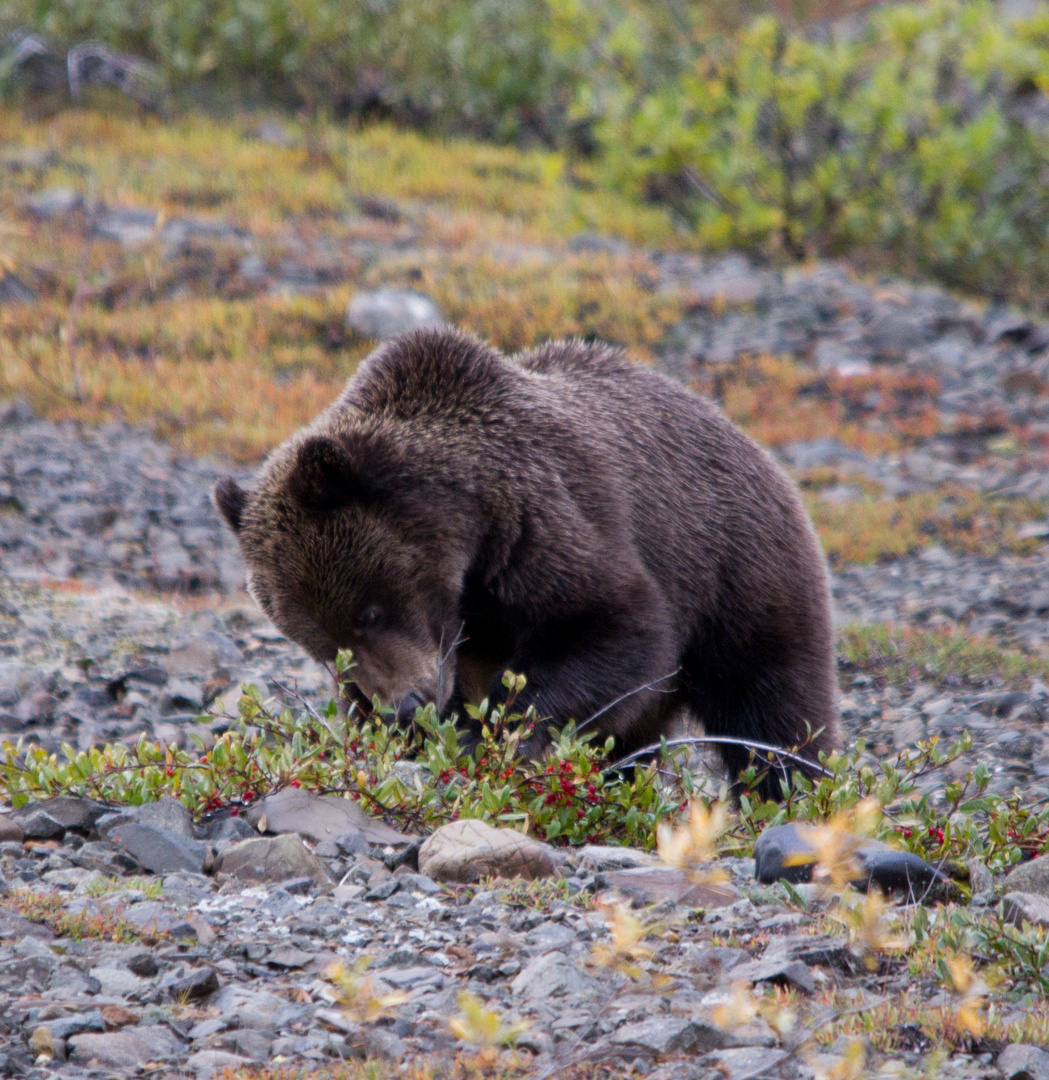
(917, 139)
(920, 142)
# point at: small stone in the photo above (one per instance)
(1021, 907)
(383, 890)
(788, 853)
(13, 926)
(1029, 877)
(273, 859)
(229, 828)
(160, 851)
(130, 226)
(470, 850)
(413, 978)
(127, 1048)
(1021, 1061)
(288, 956)
(195, 985)
(55, 202)
(42, 1041)
(38, 825)
(654, 884)
(118, 981)
(118, 1016)
(143, 964)
(10, 830)
(552, 975)
(608, 857)
(320, 817)
(667, 1034)
(74, 813)
(745, 1062)
(980, 879)
(385, 313)
(776, 969)
(208, 1063)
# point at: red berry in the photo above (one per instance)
(235, 811)
(296, 783)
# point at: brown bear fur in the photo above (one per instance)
(563, 513)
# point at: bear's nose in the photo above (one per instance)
(405, 708)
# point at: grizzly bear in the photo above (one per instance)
(563, 513)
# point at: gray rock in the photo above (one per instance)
(288, 956)
(273, 859)
(208, 1063)
(552, 975)
(14, 927)
(320, 817)
(229, 828)
(73, 813)
(981, 881)
(777, 969)
(609, 857)
(65, 1026)
(128, 225)
(745, 1063)
(667, 1034)
(469, 850)
(1029, 877)
(195, 985)
(125, 1049)
(160, 851)
(383, 890)
(13, 290)
(1021, 1061)
(36, 824)
(165, 813)
(779, 851)
(1021, 907)
(822, 950)
(384, 313)
(654, 884)
(119, 982)
(55, 202)
(105, 858)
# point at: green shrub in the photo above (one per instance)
(903, 144)
(422, 775)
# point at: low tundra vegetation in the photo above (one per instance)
(965, 964)
(421, 775)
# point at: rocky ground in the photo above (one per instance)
(121, 614)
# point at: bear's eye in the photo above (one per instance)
(369, 617)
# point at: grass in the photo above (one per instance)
(47, 908)
(871, 528)
(905, 654)
(187, 346)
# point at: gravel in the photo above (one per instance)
(122, 613)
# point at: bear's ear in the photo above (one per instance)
(328, 474)
(230, 498)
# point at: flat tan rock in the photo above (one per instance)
(467, 851)
(10, 830)
(273, 859)
(320, 817)
(652, 884)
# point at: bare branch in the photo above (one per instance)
(629, 694)
(719, 740)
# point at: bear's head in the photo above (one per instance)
(345, 549)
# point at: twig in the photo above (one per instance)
(78, 289)
(630, 693)
(717, 740)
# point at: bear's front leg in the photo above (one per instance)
(611, 669)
